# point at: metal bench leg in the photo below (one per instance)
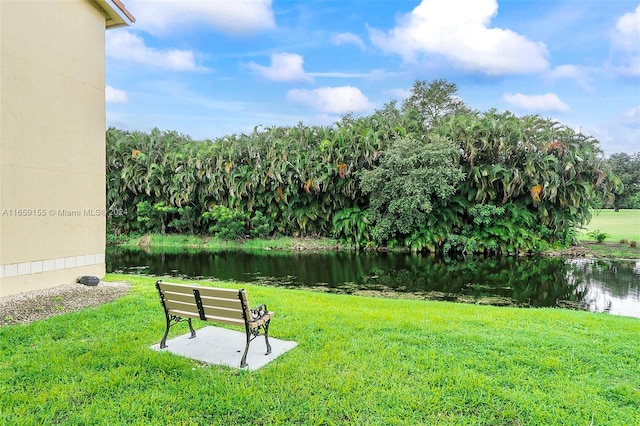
(193, 332)
(266, 336)
(243, 361)
(163, 342)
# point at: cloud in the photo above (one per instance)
(631, 118)
(236, 17)
(126, 46)
(331, 100)
(284, 67)
(400, 94)
(115, 96)
(538, 103)
(619, 132)
(459, 31)
(627, 30)
(626, 40)
(348, 38)
(580, 75)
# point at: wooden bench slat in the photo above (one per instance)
(214, 301)
(184, 314)
(222, 293)
(183, 307)
(223, 320)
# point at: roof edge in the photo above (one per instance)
(116, 13)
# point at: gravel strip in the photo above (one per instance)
(35, 305)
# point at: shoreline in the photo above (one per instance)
(588, 249)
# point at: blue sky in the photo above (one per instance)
(217, 67)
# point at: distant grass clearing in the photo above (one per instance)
(623, 224)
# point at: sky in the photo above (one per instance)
(210, 68)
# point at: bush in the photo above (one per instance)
(260, 226)
(633, 243)
(598, 236)
(226, 223)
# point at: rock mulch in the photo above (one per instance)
(35, 305)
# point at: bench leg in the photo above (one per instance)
(163, 342)
(243, 361)
(266, 337)
(193, 332)
(175, 320)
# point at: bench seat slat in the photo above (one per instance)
(223, 320)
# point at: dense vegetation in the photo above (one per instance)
(427, 175)
(627, 168)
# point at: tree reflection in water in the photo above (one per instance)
(597, 285)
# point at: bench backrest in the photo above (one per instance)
(221, 305)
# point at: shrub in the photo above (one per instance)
(597, 235)
(624, 241)
(260, 226)
(226, 223)
(633, 243)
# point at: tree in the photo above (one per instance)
(411, 178)
(627, 168)
(434, 101)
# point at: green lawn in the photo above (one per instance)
(623, 224)
(358, 361)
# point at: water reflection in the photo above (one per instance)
(612, 287)
(596, 285)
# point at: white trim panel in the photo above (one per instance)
(39, 266)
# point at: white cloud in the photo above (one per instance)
(130, 47)
(459, 31)
(631, 118)
(627, 31)
(115, 96)
(579, 75)
(400, 94)
(348, 38)
(626, 39)
(236, 17)
(331, 100)
(630, 67)
(284, 67)
(538, 103)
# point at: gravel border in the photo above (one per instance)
(35, 305)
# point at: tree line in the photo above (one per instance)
(429, 175)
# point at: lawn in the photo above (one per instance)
(623, 224)
(359, 360)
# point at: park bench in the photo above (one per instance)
(221, 305)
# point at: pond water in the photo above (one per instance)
(595, 285)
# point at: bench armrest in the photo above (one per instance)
(258, 312)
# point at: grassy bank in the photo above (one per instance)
(211, 243)
(623, 224)
(358, 361)
(185, 242)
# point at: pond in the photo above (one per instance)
(595, 285)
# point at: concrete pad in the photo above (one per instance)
(221, 346)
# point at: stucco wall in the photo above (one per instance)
(52, 132)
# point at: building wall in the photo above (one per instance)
(52, 135)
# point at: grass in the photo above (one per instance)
(623, 224)
(211, 243)
(358, 361)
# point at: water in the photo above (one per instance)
(595, 285)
